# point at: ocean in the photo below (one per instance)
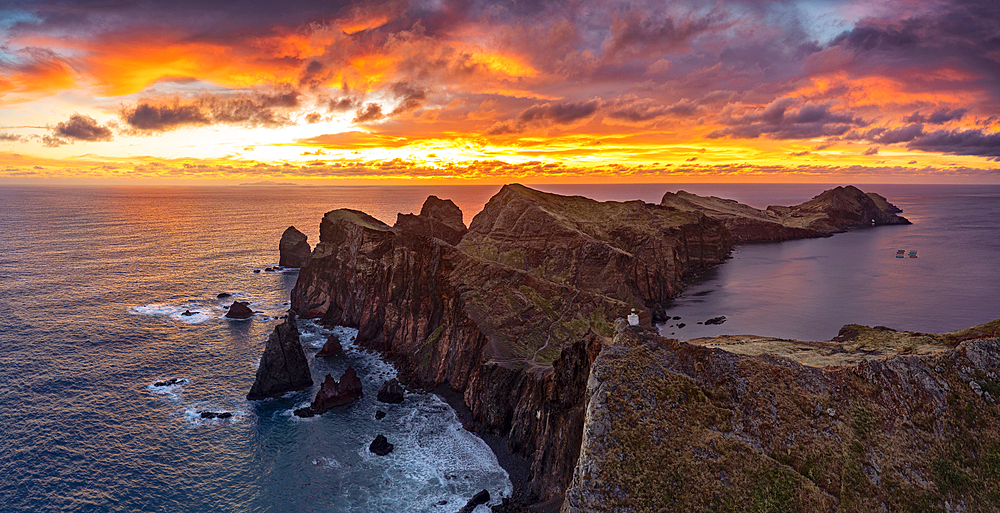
(93, 282)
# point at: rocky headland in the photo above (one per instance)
(874, 420)
(513, 311)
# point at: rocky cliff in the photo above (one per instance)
(875, 420)
(512, 310)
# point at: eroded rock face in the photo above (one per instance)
(293, 248)
(682, 426)
(334, 393)
(283, 366)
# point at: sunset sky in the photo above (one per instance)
(125, 91)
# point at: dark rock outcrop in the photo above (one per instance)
(215, 414)
(334, 393)
(380, 446)
(438, 218)
(170, 382)
(332, 347)
(283, 366)
(513, 312)
(239, 310)
(379, 415)
(391, 392)
(480, 498)
(293, 249)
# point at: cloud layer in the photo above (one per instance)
(774, 78)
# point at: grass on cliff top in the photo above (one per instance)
(668, 450)
(356, 217)
(677, 444)
(532, 319)
(598, 219)
(854, 344)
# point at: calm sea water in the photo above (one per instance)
(92, 285)
(93, 282)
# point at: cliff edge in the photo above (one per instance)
(874, 420)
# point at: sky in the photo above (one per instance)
(429, 91)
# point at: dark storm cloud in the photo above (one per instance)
(936, 118)
(643, 109)
(82, 128)
(371, 112)
(960, 142)
(160, 118)
(4, 136)
(268, 109)
(780, 120)
(956, 35)
(898, 135)
(637, 33)
(410, 97)
(559, 112)
(252, 110)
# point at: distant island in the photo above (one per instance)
(521, 314)
(269, 182)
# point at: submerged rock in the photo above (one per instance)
(334, 393)
(239, 310)
(380, 446)
(480, 498)
(170, 382)
(215, 414)
(716, 320)
(188, 313)
(331, 347)
(283, 366)
(391, 392)
(379, 415)
(223, 295)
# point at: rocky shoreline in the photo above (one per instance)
(511, 313)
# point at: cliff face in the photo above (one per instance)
(880, 421)
(832, 211)
(512, 310)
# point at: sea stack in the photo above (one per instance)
(293, 248)
(283, 366)
(334, 393)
